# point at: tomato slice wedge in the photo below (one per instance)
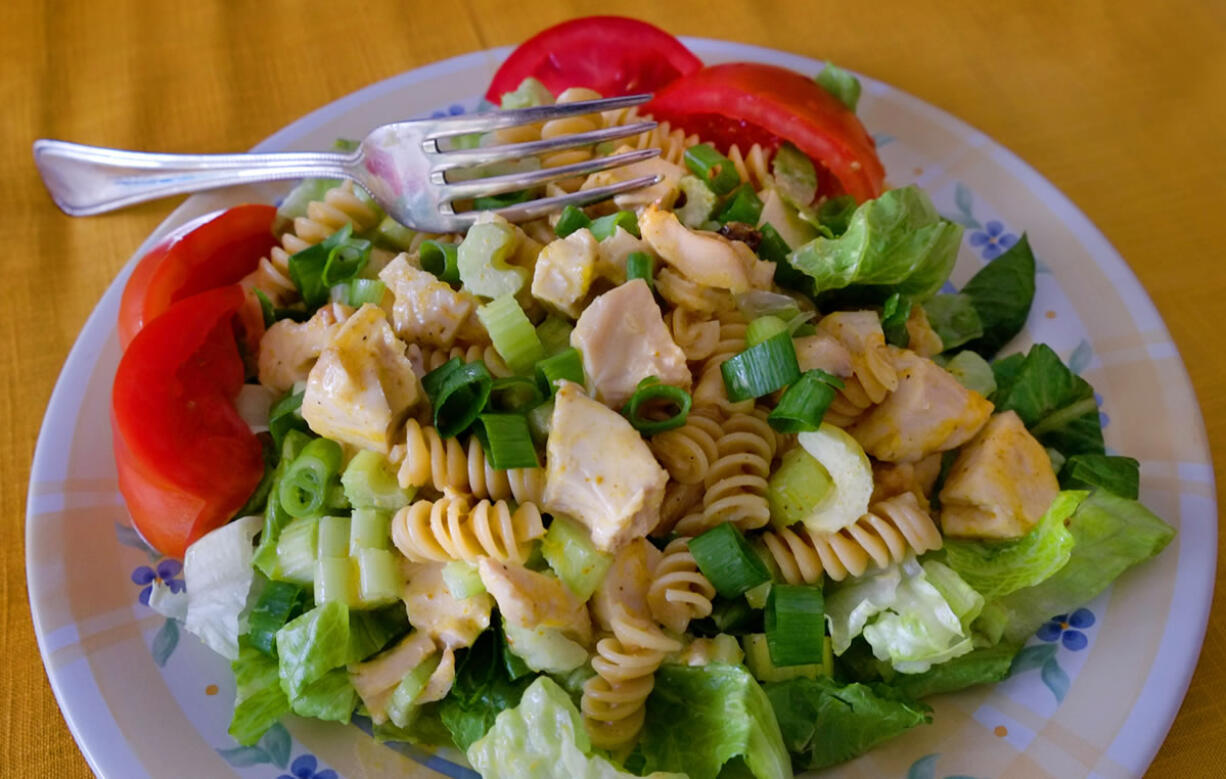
(212, 252)
(613, 55)
(747, 103)
(186, 460)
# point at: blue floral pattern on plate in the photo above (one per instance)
(1067, 629)
(167, 572)
(993, 240)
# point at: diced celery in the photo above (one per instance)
(295, 203)
(529, 93)
(297, 548)
(568, 549)
(544, 649)
(540, 419)
(756, 597)
(333, 537)
(379, 578)
(554, 333)
(758, 660)
(699, 202)
(797, 485)
(395, 235)
(370, 529)
(462, 579)
(482, 260)
(514, 337)
(370, 481)
(400, 707)
(335, 580)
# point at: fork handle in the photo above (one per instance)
(87, 180)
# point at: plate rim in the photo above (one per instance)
(93, 332)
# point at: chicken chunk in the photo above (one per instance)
(623, 339)
(376, 679)
(531, 600)
(625, 584)
(600, 471)
(704, 258)
(823, 352)
(1001, 484)
(564, 272)
(363, 386)
(428, 311)
(433, 610)
(611, 254)
(929, 412)
(860, 333)
(289, 349)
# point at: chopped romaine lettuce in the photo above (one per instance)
(542, 738)
(954, 319)
(840, 83)
(986, 664)
(824, 723)
(1001, 293)
(1056, 405)
(896, 243)
(218, 574)
(1117, 475)
(795, 175)
(699, 718)
(482, 689)
(259, 700)
(311, 646)
(996, 569)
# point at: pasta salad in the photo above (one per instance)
(714, 477)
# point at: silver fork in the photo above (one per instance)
(404, 165)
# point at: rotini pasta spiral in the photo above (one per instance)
(427, 359)
(671, 142)
(873, 374)
(570, 125)
(680, 500)
(753, 167)
(696, 333)
(683, 293)
(709, 390)
(688, 451)
(679, 592)
(625, 665)
(891, 528)
(447, 465)
(449, 529)
(736, 482)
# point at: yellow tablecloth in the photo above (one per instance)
(1122, 104)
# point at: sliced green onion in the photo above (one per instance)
(715, 170)
(514, 394)
(641, 265)
(491, 202)
(266, 309)
(894, 316)
(392, 234)
(441, 259)
(279, 603)
(304, 488)
(566, 364)
(571, 219)
(514, 337)
(804, 403)
(796, 487)
(346, 144)
(508, 441)
(567, 547)
(772, 247)
(336, 259)
(650, 392)
(605, 226)
(726, 559)
(275, 516)
(286, 415)
(743, 206)
(554, 333)
(795, 624)
(697, 202)
(458, 392)
(764, 327)
(761, 369)
(758, 661)
(540, 420)
(363, 291)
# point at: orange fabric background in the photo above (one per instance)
(1120, 103)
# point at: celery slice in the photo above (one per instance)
(297, 548)
(400, 707)
(568, 549)
(462, 579)
(370, 482)
(333, 537)
(482, 261)
(379, 579)
(335, 580)
(370, 529)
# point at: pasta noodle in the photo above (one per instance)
(679, 592)
(736, 482)
(695, 333)
(449, 529)
(426, 359)
(873, 375)
(709, 390)
(683, 293)
(446, 465)
(891, 528)
(753, 167)
(688, 451)
(672, 143)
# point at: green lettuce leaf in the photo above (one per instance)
(1056, 405)
(482, 690)
(895, 243)
(983, 665)
(310, 646)
(700, 718)
(1002, 292)
(295, 203)
(913, 616)
(1110, 535)
(542, 738)
(997, 569)
(219, 577)
(1118, 475)
(371, 631)
(971, 371)
(330, 697)
(841, 84)
(954, 318)
(824, 723)
(259, 700)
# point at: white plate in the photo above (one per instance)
(143, 699)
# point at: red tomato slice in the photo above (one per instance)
(610, 54)
(186, 460)
(747, 103)
(212, 252)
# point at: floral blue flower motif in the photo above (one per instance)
(1068, 629)
(993, 239)
(166, 572)
(304, 767)
(455, 109)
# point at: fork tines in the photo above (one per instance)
(496, 120)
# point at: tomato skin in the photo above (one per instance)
(212, 252)
(185, 458)
(748, 102)
(613, 55)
